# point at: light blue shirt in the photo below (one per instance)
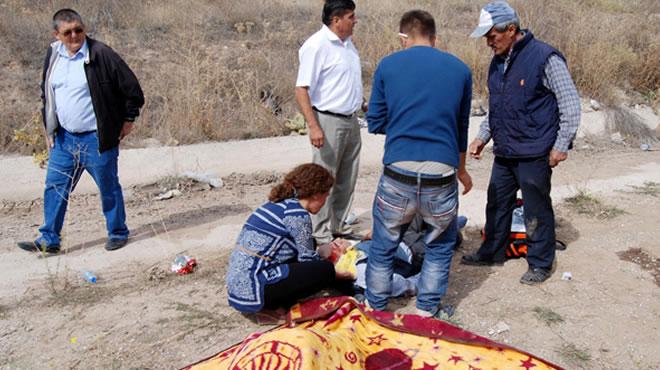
(73, 102)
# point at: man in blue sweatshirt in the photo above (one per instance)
(421, 101)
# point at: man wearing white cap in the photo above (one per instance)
(534, 113)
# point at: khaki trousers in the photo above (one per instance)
(340, 154)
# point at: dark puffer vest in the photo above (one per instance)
(523, 115)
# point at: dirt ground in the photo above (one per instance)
(139, 315)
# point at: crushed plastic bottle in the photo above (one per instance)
(89, 277)
(184, 264)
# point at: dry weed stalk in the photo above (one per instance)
(203, 65)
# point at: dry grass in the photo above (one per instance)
(205, 73)
(650, 188)
(587, 204)
(574, 355)
(630, 125)
(547, 316)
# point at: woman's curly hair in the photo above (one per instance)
(302, 182)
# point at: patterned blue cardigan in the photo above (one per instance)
(273, 236)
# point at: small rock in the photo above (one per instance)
(479, 107)
(595, 105)
(617, 138)
(478, 111)
(168, 195)
(567, 276)
(205, 178)
(500, 327)
(645, 147)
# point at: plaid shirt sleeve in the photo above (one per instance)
(559, 81)
(484, 131)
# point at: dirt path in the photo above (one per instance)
(141, 316)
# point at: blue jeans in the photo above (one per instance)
(70, 156)
(395, 206)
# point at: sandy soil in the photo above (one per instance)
(139, 315)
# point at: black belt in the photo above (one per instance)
(334, 114)
(424, 181)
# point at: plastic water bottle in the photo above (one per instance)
(89, 277)
(518, 220)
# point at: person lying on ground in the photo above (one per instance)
(274, 262)
(408, 259)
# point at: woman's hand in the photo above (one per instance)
(324, 250)
(331, 251)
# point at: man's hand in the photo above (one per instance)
(475, 148)
(316, 136)
(126, 129)
(556, 157)
(465, 179)
(365, 106)
(50, 142)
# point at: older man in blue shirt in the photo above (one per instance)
(91, 99)
(533, 116)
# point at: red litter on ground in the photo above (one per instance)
(183, 264)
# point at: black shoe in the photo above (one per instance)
(34, 247)
(535, 275)
(475, 260)
(560, 245)
(114, 244)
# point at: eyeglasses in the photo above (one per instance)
(77, 30)
(401, 34)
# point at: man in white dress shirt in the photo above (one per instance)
(329, 94)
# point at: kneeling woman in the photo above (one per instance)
(274, 261)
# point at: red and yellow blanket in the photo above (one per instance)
(338, 333)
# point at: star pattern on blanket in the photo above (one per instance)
(527, 364)
(377, 339)
(455, 358)
(327, 331)
(397, 320)
(329, 305)
(356, 318)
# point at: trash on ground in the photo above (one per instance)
(500, 327)
(645, 147)
(566, 276)
(168, 195)
(89, 277)
(184, 264)
(205, 178)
